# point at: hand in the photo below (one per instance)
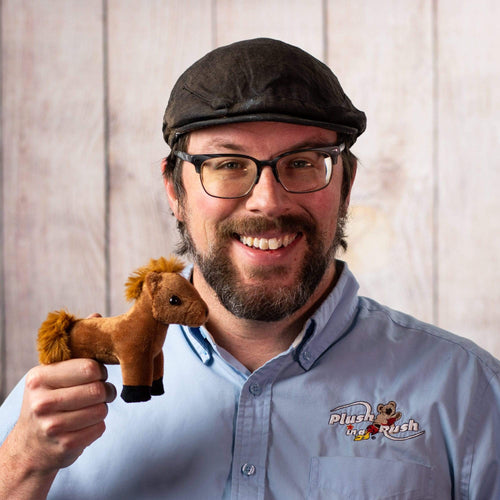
(63, 412)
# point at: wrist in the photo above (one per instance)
(21, 478)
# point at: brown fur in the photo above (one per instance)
(53, 337)
(133, 287)
(134, 339)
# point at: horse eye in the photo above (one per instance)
(175, 301)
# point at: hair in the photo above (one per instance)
(173, 170)
(173, 173)
(133, 287)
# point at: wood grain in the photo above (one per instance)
(84, 87)
(469, 170)
(293, 21)
(150, 44)
(53, 176)
(383, 55)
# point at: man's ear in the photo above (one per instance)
(173, 200)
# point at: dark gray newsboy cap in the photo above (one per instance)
(259, 80)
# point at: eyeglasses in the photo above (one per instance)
(234, 175)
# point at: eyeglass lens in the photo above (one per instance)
(233, 176)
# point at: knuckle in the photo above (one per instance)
(97, 391)
(51, 427)
(90, 369)
(45, 403)
(33, 378)
(67, 445)
(39, 407)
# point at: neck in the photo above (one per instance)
(253, 343)
(142, 311)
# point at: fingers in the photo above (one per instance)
(71, 444)
(68, 386)
(110, 392)
(63, 411)
(66, 374)
(73, 421)
(76, 397)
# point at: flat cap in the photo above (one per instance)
(259, 80)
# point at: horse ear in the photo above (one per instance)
(153, 281)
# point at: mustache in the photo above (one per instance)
(254, 225)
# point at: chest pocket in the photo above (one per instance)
(360, 478)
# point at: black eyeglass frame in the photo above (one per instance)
(333, 152)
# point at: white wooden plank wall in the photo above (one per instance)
(389, 73)
(53, 178)
(84, 85)
(149, 45)
(468, 170)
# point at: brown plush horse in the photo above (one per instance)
(134, 339)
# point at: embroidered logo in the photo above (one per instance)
(365, 425)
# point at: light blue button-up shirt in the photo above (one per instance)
(368, 403)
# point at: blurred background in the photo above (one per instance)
(84, 84)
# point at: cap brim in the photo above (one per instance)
(267, 117)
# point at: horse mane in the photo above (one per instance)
(133, 286)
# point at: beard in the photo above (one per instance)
(264, 301)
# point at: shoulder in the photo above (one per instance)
(450, 384)
(391, 325)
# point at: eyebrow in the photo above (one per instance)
(221, 142)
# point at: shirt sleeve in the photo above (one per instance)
(484, 432)
(10, 409)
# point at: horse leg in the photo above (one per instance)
(137, 374)
(157, 389)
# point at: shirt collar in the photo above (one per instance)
(331, 320)
(325, 327)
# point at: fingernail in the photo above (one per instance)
(110, 392)
(104, 372)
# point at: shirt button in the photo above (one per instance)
(255, 389)
(248, 469)
(306, 356)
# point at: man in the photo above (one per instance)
(296, 388)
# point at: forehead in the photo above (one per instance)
(262, 137)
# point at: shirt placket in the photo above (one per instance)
(251, 440)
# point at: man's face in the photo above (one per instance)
(265, 255)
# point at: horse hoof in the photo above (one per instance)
(157, 389)
(136, 393)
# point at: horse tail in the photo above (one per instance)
(53, 337)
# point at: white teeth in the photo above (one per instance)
(268, 244)
(275, 243)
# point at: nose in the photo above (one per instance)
(268, 196)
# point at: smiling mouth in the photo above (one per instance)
(268, 243)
